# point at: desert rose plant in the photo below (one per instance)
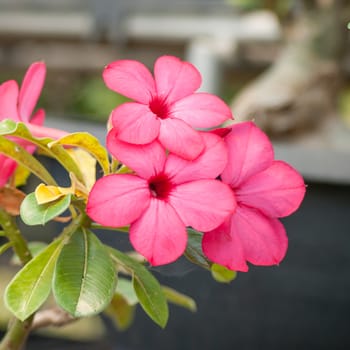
(170, 177)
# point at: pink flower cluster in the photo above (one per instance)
(224, 183)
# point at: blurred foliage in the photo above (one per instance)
(93, 100)
(344, 104)
(280, 7)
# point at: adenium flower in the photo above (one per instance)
(265, 190)
(18, 105)
(166, 107)
(164, 195)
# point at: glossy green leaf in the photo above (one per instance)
(33, 213)
(147, 288)
(32, 284)
(10, 127)
(90, 144)
(194, 251)
(21, 156)
(222, 274)
(85, 276)
(179, 299)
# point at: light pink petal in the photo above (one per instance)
(175, 79)
(203, 204)
(159, 234)
(277, 191)
(31, 87)
(135, 123)
(8, 100)
(208, 165)
(250, 236)
(7, 168)
(131, 79)
(38, 118)
(43, 131)
(180, 139)
(146, 160)
(201, 110)
(249, 152)
(118, 200)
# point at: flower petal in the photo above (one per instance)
(248, 236)
(8, 100)
(146, 160)
(135, 123)
(131, 79)
(118, 200)
(179, 138)
(38, 118)
(175, 79)
(249, 152)
(277, 191)
(159, 234)
(208, 165)
(31, 87)
(7, 168)
(201, 110)
(203, 204)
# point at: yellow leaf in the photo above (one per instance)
(46, 194)
(87, 165)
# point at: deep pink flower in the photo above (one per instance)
(166, 194)
(18, 105)
(265, 190)
(166, 107)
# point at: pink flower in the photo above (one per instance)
(166, 194)
(265, 190)
(166, 107)
(18, 105)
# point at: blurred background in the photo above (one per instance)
(286, 65)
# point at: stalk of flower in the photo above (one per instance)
(265, 189)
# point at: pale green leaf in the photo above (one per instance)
(90, 144)
(10, 127)
(121, 312)
(147, 288)
(33, 213)
(180, 299)
(85, 276)
(222, 274)
(22, 157)
(126, 289)
(32, 284)
(34, 247)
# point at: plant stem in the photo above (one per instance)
(13, 234)
(16, 334)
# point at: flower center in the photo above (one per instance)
(159, 107)
(160, 186)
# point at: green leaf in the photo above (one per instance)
(21, 156)
(85, 276)
(90, 144)
(194, 251)
(222, 274)
(121, 312)
(33, 213)
(177, 298)
(32, 284)
(10, 127)
(147, 288)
